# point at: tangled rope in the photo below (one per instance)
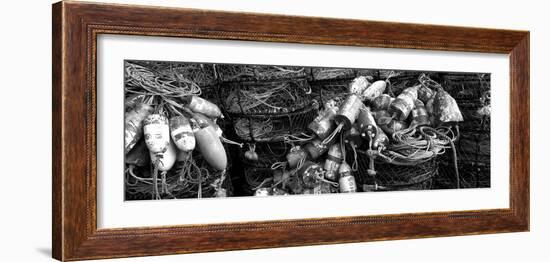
(159, 84)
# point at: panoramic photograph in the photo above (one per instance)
(203, 130)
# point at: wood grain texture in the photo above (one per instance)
(76, 27)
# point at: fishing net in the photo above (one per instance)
(390, 177)
(166, 79)
(474, 161)
(472, 93)
(469, 87)
(273, 127)
(372, 73)
(331, 73)
(239, 73)
(266, 97)
(410, 161)
(192, 178)
(336, 90)
(256, 177)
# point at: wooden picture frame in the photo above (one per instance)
(76, 26)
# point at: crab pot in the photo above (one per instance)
(332, 89)
(272, 127)
(241, 98)
(390, 177)
(249, 73)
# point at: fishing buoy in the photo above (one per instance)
(278, 192)
(211, 147)
(381, 116)
(263, 191)
(310, 173)
(420, 115)
(373, 91)
(402, 106)
(315, 148)
(139, 155)
(347, 180)
(348, 112)
(203, 106)
(323, 124)
(380, 140)
(366, 122)
(251, 154)
(133, 124)
(425, 93)
(358, 85)
(333, 161)
(165, 161)
(353, 137)
(296, 156)
(382, 102)
(445, 108)
(157, 133)
(182, 133)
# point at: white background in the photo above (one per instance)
(26, 137)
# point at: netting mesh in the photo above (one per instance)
(256, 177)
(331, 73)
(273, 128)
(396, 177)
(332, 89)
(266, 97)
(472, 93)
(240, 73)
(202, 178)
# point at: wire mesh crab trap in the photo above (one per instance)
(409, 162)
(320, 74)
(265, 97)
(243, 73)
(326, 90)
(391, 177)
(275, 127)
(470, 87)
(173, 75)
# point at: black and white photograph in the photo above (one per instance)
(203, 130)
